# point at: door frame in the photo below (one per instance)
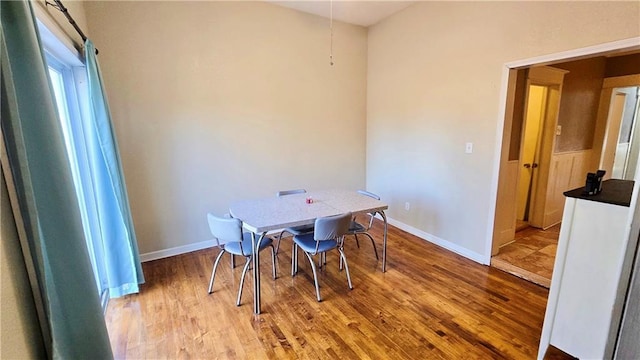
(504, 228)
(603, 133)
(505, 118)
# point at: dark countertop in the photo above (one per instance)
(614, 191)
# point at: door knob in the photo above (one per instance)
(527, 165)
(534, 165)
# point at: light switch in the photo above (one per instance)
(468, 148)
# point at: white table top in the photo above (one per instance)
(273, 213)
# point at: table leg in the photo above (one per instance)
(384, 242)
(256, 271)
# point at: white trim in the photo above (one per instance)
(479, 258)
(57, 41)
(626, 44)
(178, 250)
(495, 177)
(626, 271)
(104, 301)
(589, 51)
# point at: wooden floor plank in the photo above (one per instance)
(430, 303)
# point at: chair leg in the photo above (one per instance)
(279, 239)
(233, 261)
(357, 242)
(244, 273)
(315, 276)
(346, 267)
(294, 259)
(374, 245)
(273, 261)
(215, 266)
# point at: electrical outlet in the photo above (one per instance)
(468, 148)
(559, 130)
(407, 206)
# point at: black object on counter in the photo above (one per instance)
(599, 176)
(614, 191)
(593, 185)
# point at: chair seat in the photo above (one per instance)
(356, 227)
(234, 247)
(308, 243)
(299, 230)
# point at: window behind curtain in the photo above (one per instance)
(69, 99)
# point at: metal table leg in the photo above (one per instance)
(384, 243)
(256, 271)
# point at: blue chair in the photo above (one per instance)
(328, 234)
(363, 228)
(230, 238)
(297, 230)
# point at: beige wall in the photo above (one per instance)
(214, 102)
(434, 80)
(579, 103)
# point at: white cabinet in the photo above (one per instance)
(588, 264)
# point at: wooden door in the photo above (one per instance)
(530, 152)
(544, 210)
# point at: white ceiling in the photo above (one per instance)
(358, 12)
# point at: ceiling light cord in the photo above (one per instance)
(331, 31)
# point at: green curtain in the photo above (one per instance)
(115, 239)
(47, 201)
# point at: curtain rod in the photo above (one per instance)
(57, 4)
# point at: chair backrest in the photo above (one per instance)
(332, 227)
(225, 229)
(290, 192)
(369, 194)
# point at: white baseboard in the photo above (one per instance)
(155, 255)
(178, 250)
(471, 255)
(479, 258)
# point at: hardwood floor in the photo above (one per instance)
(431, 303)
(531, 256)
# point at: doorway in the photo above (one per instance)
(623, 114)
(529, 251)
(616, 116)
(524, 200)
(536, 203)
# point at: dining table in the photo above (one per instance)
(264, 215)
